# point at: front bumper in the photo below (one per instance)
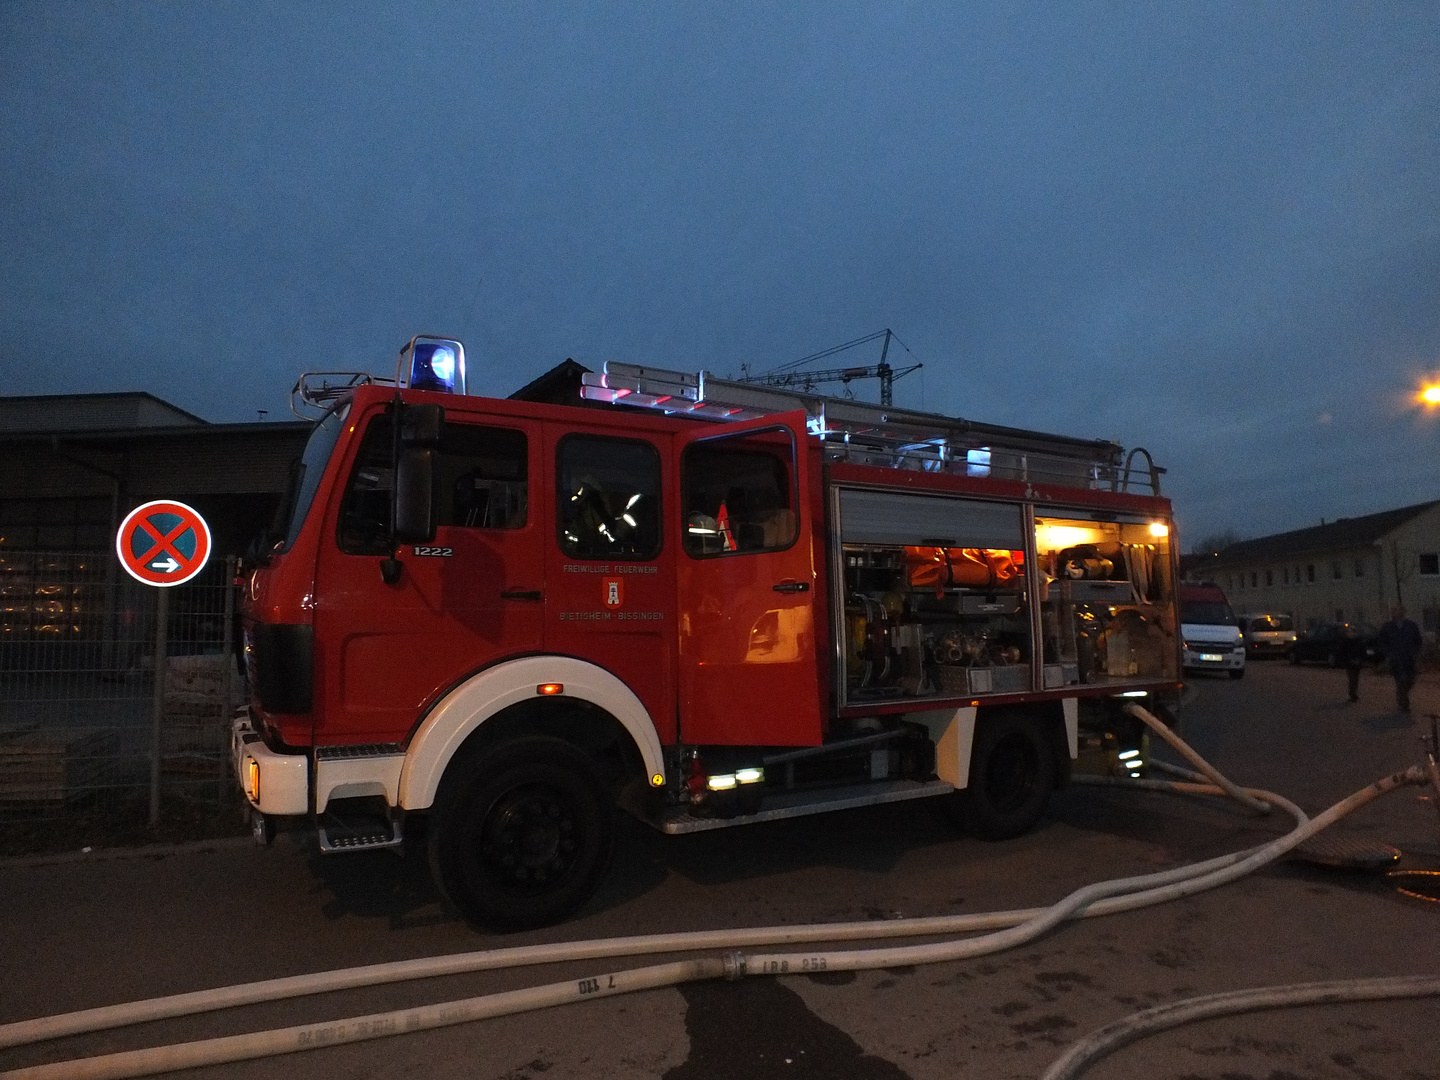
(1219, 658)
(272, 783)
(1271, 647)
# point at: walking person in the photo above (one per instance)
(1352, 656)
(1399, 642)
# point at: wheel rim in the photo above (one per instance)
(1011, 773)
(530, 839)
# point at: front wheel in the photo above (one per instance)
(522, 834)
(1012, 772)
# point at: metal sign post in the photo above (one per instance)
(162, 543)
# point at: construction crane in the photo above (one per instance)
(791, 376)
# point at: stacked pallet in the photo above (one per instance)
(54, 766)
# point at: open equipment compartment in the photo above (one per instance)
(1106, 597)
(934, 596)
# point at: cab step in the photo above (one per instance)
(366, 834)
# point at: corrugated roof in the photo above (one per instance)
(1333, 536)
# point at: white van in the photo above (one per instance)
(1212, 640)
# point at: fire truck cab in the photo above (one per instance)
(734, 605)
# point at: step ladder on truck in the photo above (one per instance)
(713, 605)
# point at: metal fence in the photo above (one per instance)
(89, 737)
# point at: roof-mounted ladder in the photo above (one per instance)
(883, 435)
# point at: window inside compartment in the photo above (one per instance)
(1106, 599)
(935, 597)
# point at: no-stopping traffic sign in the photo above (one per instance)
(163, 543)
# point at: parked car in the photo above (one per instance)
(1211, 638)
(1267, 635)
(1325, 644)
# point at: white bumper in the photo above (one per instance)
(283, 779)
(1225, 656)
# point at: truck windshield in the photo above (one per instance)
(1201, 613)
(308, 471)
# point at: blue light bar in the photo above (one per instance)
(433, 364)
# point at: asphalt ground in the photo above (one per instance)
(104, 927)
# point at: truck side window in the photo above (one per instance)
(738, 494)
(608, 491)
(481, 482)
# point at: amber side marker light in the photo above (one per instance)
(254, 781)
(550, 689)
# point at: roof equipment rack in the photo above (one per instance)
(883, 435)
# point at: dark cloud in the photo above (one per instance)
(1196, 227)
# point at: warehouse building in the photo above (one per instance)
(76, 464)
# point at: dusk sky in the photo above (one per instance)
(1209, 229)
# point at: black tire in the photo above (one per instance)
(1012, 772)
(521, 836)
(1293, 656)
(1237, 673)
(1332, 659)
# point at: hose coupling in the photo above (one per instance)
(734, 965)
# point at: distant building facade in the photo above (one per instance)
(1350, 570)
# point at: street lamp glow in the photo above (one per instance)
(1429, 396)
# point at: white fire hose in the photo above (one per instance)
(1008, 929)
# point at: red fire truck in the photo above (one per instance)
(732, 605)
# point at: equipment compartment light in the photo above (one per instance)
(1126, 755)
(1159, 528)
(749, 776)
(431, 363)
(723, 782)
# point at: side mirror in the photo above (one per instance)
(414, 509)
(422, 429)
(422, 425)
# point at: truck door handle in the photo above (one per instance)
(792, 586)
(522, 594)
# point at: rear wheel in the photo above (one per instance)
(1012, 772)
(521, 835)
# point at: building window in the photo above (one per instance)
(1310, 572)
(1429, 563)
(1359, 566)
(1287, 576)
(1269, 577)
(1254, 579)
(1335, 571)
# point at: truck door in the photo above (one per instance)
(610, 580)
(470, 598)
(749, 674)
